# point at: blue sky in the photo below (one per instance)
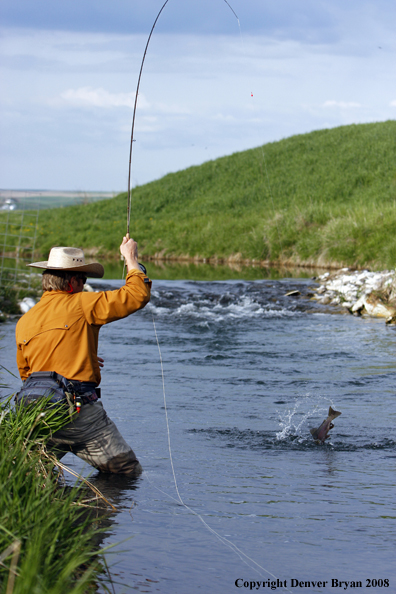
(211, 86)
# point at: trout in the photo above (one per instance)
(320, 434)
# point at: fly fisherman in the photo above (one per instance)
(60, 334)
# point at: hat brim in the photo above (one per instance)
(93, 270)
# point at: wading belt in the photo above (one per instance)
(87, 391)
(57, 389)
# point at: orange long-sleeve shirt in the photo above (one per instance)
(60, 333)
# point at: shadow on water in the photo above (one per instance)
(114, 269)
(268, 440)
(116, 488)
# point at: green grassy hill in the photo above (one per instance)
(327, 197)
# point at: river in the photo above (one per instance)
(247, 372)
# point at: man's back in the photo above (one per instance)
(61, 332)
(55, 336)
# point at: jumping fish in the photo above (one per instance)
(320, 434)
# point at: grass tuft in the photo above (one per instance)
(45, 538)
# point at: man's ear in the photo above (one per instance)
(73, 283)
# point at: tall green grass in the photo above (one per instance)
(327, 197)
(45, 537)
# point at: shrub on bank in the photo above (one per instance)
(12, 292)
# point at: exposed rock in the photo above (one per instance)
(26, 304)
(374, 306)
(360, 292)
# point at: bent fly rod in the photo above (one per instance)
(134, 111)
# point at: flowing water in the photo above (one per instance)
(247, 372)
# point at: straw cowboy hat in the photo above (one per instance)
(71, 260)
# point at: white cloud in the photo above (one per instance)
(89, 97)
(342, 104)
(73, 97)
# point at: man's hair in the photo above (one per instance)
(58, 280)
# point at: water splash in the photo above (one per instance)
(293, 422)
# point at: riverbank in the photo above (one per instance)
(238, 261)
(360, 292)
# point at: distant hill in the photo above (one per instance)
(38, 199)
(323, 198)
